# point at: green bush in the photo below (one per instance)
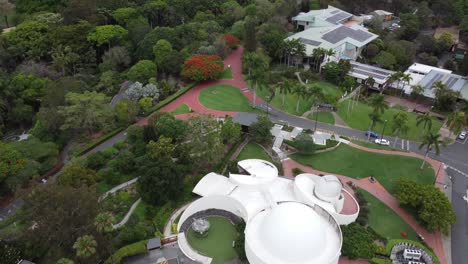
(129, 250)
(297, 171)
(358, 242)
(171, 98)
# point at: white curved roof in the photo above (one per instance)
(328, 188)
(214, 184)
(294, 233)
(259, 168)
(290, 231)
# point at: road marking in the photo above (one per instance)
(457, 170)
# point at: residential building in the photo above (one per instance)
(331, 29)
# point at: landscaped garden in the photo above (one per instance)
(356, 163)
(290, 101)
(323, 117)
(253, 151)
(119, 203)
(181, 109)
(358, 118)
(218, 242)
(224, 98)
(385, 221)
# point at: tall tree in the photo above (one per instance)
(285, 87)
(301, 92)
(426, 122)
(250, 39)
(431, 141)
(455, 121)
(400, 125)
(162, 50)
(107, 34)
(378, 103)
(6, 8)
(60, 215)
(87, 111)
(258, 65)
(103, 222)
(260, 130)
(85, 246)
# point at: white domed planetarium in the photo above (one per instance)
(293, 221)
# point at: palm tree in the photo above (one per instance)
(103, 222)
(285, 87)
(301, 92)
(394, 77)
(406, 78)
(430, 141)
(424, 120)
(439, 89)
(329, 53)
(417, 90)
(85, 246)
(259, 63)
(400, 125)
(249, 61)
(375, 118)
(369, 82)
(377, 102)
(456, 121)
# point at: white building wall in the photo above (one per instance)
(213, 202)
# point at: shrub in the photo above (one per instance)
(129, 250)
(297, 171)
(380, 261)
(232, 41)
(203, 67)
(358, 242)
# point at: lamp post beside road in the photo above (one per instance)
(383, 130)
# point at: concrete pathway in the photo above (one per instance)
(174, 215)
(339, 121)
(434, 240)
(119, 187)
(127, 216)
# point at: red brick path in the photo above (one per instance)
(434, 240)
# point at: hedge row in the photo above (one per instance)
(99, 141)
(171, 98)
(393, 242)
(380, 261)
(155, 108)
(127, 251)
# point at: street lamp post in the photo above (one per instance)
(383, 130)
(316, 118)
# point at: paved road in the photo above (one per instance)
(460, 229)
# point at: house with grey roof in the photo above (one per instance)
(331, 28)
(321, 18)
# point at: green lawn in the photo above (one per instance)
(375, 146)
(355, 163)
(218, 243)
(227, 74)
(324, 117)
(385, 221)
(358, 118)
(291, 99)
(181, 109)
(225, 98)
(253, 151)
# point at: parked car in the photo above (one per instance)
(462, 135)
(382, 142)
(372, 134)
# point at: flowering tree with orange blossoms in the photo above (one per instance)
(203, 67)
(231, 41)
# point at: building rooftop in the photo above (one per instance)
(333, 36)
(382, 13)
(331, 15)
(363, 71)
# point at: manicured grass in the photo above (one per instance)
(358, 118)
(355, 163)
(181, 109)
(225, 98)
(218, 243)
(291, 99)
(375, 146)
(385, 221)
(227, 74)
(253, 151)
(324, 117)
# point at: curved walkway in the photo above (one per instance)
(175, 214)
(127, 216)
(434, 240)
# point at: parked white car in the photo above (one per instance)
(462, 135)
(382, 142)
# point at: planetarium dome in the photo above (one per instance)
(328, 188)
(292, 232)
